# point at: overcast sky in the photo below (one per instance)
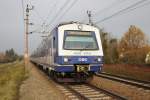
(53, 12)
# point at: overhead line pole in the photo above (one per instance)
(89, 16)
(26, 52)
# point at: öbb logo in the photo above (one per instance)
(82, 59)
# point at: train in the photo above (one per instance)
(72, 52)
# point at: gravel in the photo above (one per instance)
(131, 92)
(39, 87)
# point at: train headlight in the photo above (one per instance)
(65, 59)
(99, 59)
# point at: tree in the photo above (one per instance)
(11, 55)
(105, 43)
(133, 39)
(2, 57)
(109, 47)
(113, 52)
(132, 45)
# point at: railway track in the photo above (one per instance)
(86, 91)
(137, 83)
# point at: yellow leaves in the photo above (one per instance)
(133, 47)
(133, 39)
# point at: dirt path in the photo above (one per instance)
(38, 87)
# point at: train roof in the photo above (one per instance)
(72, 22)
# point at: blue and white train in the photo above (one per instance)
(71, 52)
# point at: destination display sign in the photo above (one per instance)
(79, 33)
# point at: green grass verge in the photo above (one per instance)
(11, 77)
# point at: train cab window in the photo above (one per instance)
(80, 40)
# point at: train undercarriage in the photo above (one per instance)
(81, 74)
(71, 76)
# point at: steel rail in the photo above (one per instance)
(138, 83)
(118, 96)
(83, 97)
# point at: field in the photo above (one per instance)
(11, 77)
(133, 71)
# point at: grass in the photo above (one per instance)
(11, 77)
(131, 71)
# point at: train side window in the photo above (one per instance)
(51, 46)
(54, 44)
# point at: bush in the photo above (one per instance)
(135, 56)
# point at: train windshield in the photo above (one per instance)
(80, 40)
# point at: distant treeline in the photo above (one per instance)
(132, 48)
(9, 56)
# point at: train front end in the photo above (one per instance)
(80, 53)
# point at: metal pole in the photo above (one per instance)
(89, 15)
(26, 55)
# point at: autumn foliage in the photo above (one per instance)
(133, 39)
(132, 48)
(2, 57)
